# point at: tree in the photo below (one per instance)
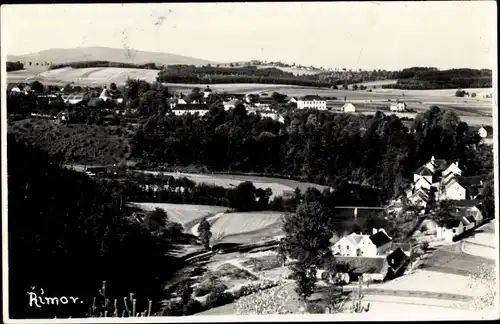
(307, 239)
(37, 86)
(184, 291)
(355, 87)
(30, 63)
(205, 233)
(156, 220)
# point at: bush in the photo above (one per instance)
(218, 297)
(314, 308)
(425, 245)
(172, 308)
(473, 95)
(192, 307)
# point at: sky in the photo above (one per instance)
(366, 35)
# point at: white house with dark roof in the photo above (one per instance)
(452, 190)
(362, 245)
(207, 92)
(193, 109)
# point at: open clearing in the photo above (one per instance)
(183, 214)
(251, 226)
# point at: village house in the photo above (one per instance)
(273, 115)
(450, 229)
(348, 108)
(290, 100)
(207, 92)
(231, 104)
(398, 106)
(264, 103)
(359, 245)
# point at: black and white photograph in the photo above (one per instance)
(249, 161)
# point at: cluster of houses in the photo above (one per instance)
(372, 257)
(436, 181)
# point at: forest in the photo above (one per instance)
(432, 78)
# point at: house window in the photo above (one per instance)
(454, 231)
(347, 247)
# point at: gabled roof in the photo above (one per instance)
(396, 259)
(451, 181)
(380, 238)
(357, 265)
(426, 172)
(441, 164)
(465, 203)
(402, 246)
(347, 105)
(311, 97)
(354, 238)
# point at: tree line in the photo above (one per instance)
(14, 66)
(93, 64)
(315, 146)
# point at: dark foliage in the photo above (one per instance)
(67, 234)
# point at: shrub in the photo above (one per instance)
(425, 245)
(473, 95)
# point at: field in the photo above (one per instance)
(183, 214)
(278, 186)
(84, 77)
(246, 227)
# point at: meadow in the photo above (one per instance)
(180, 213)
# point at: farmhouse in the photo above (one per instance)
(264, 103)
(450, 229)
(290, 100)
(200, 109)
(369, 268)
(348, 107)
(452, 190)
(398, 106)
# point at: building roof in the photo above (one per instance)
(465, 203)
(453, 222)
(265, 100)
(358, 265)
(426, 172)
(347, 105)
(402, 246)
(469, 181)
(380, 238)
(466, 220)
(354, 238)
(396, 259)
(207, 89)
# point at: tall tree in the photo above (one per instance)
(205, 233)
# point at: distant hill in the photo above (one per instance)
(79, 54)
